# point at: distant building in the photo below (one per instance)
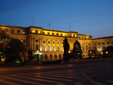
(46, 44)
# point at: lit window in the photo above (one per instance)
(49, 48)
(54, 48)
(44, 49)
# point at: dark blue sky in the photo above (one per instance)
(93, 17)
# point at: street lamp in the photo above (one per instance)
(69, 51)
(106, 52)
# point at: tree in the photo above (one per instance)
(108, 52)
(77, 52)
(15, 50)
(66, 49)
(3, 43)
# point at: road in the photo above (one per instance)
(99, 73)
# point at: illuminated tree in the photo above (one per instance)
(66, 49)
(77, 52)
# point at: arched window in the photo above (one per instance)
(55, 56)
(46, 57)
(50, 57)
(60, 57)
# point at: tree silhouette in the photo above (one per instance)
(108, 52)
(15, 50)
(66, 49)
(77, 52)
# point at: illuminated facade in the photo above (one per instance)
(47, 43)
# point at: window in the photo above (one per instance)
(54, 48)
(53, 42)
(79, 37)
(43, 32)
(46, 56)
(107, 42)
(48, 33)
(61, 35)
(103, 43)
(24, 41)
(49, 49)
(57, 42)
(36, 31)
(12, 31)
(58, 49)
(73, 35)
(55, 56)
(60, 57)
(50, 57)
(36, 47)
(44, 49)
(36, 40)
(18, 31)
(98, 43)
(43, 41)
(57, 33)
(48, 41)
(52, 33)
(103, 47)
(23, 32)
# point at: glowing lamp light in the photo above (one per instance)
(90, 52)
(41, 49)
(106, 52)
(33, 31)
(69, 51)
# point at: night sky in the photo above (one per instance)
(93, 17)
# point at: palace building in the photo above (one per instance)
(47, 44)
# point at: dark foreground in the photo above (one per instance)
(98, 73)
